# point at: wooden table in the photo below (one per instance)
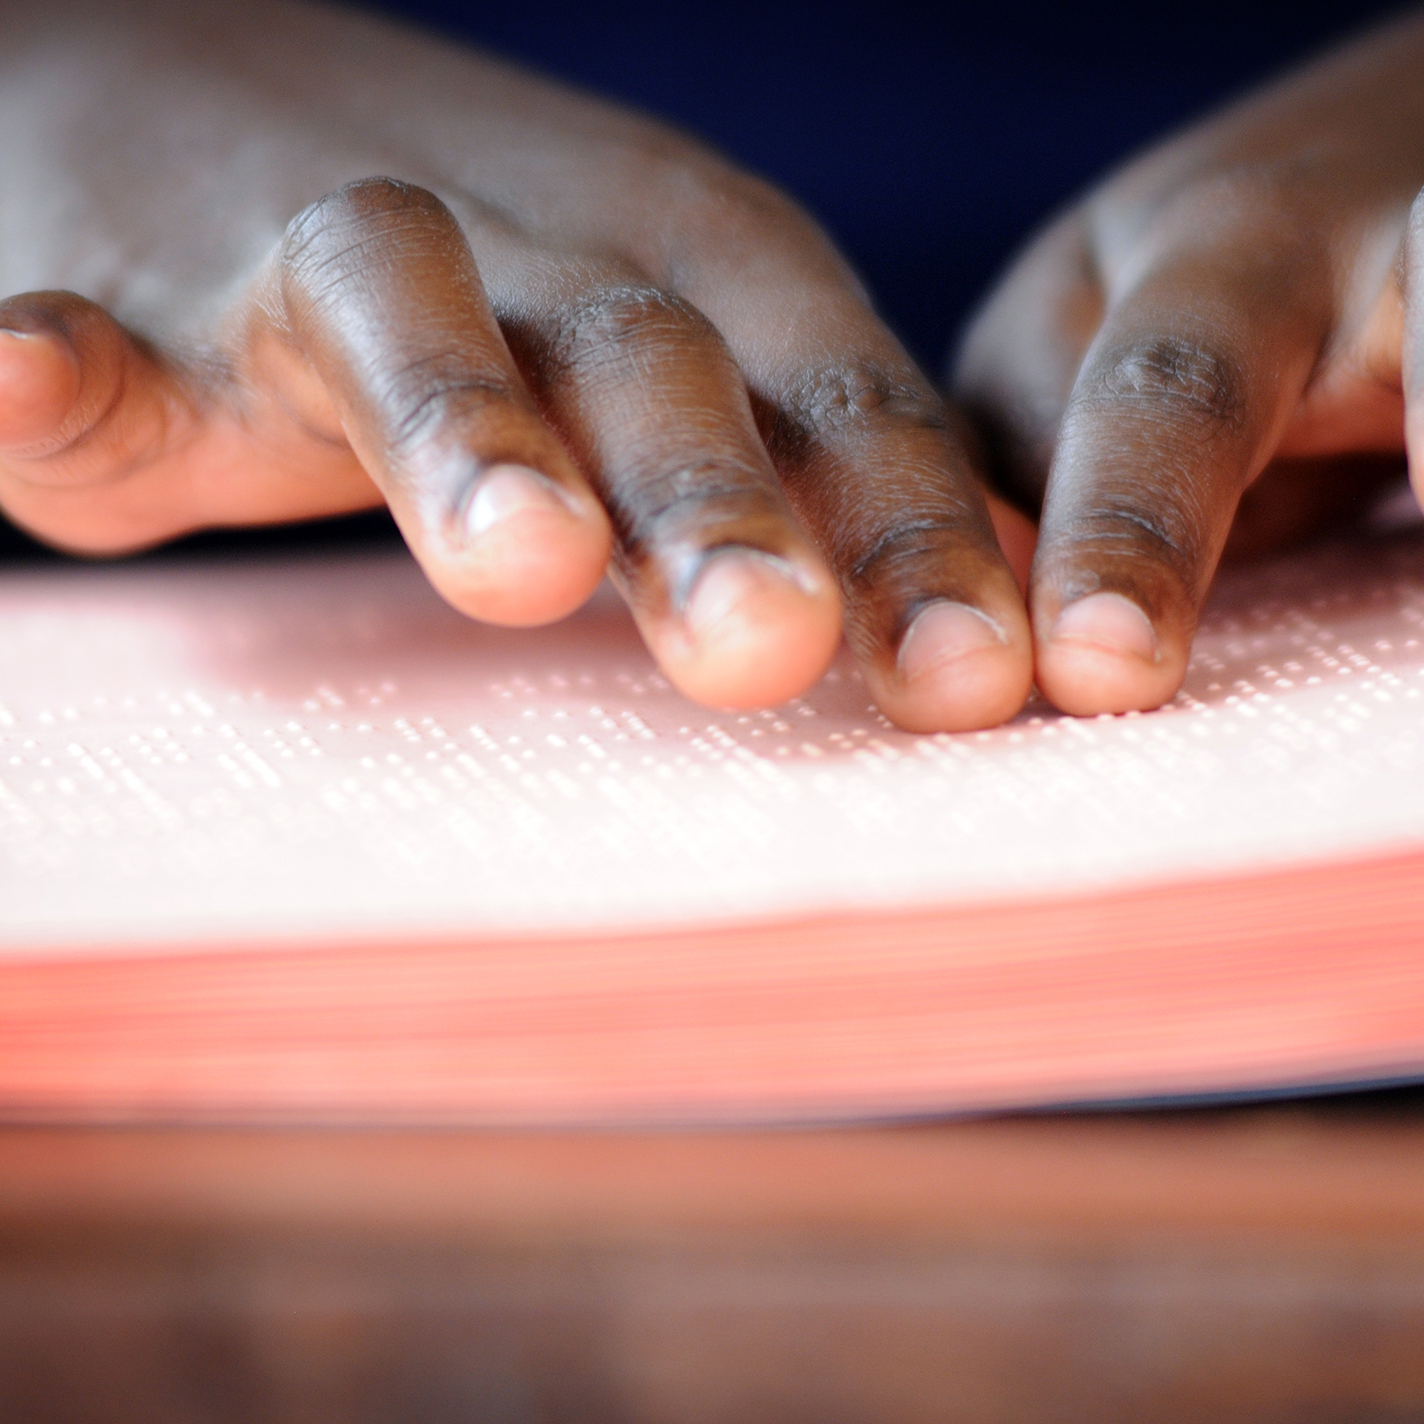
(1261, 1263)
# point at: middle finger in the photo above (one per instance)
(731, 595)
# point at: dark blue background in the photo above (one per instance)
(930, 142)
(929, 139)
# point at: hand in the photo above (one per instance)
(1231, 327)
(556, 329)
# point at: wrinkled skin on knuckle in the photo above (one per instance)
(359, 227)
(631, 348)
(892, 523)
(676, 477)
(1145, 454)
(896, 563)
(850, 399)
(1152, 539)
(1153, 457)
(436, 395)
(672, 518)
(837, 411)
(902, 566)
(607, 330)
(346, 266)
(874, 460)
(900, 541)
(1173, 380)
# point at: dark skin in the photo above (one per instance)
(1219, 348)
(366, 267)
(369, 267)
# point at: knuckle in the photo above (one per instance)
(850, 395)
(915, 543)
(1160, 526)
(356, 204)
(1175, 377)
(845, 400)
(349, 229)
(435, 392)
(605, 324)
(692, 503)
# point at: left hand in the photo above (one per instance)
(1220, 347)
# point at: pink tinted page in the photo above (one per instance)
(268, 748)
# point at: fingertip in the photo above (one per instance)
(756, 630)
(521, 551)
(39, 384)
(958, 669)
(1102, 654)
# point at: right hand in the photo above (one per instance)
(555, 330)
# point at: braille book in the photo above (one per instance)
(284, 838)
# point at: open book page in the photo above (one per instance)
(234, 750)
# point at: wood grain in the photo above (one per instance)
(1253, 1264)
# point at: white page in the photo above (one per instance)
(283, 746)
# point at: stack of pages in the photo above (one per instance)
(284, 838)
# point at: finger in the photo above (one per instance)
(1180, 402)
(730, 593)
(1021, 354)
(378, 291)
(40, 377)
(83, 406)
(879, 471)
(1413, 344)
(864, 447)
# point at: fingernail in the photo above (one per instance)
(507, 490)
(729, 578)
(941, 632)
(1109, 621)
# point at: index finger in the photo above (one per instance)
(1182, 398)
(377, 288)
